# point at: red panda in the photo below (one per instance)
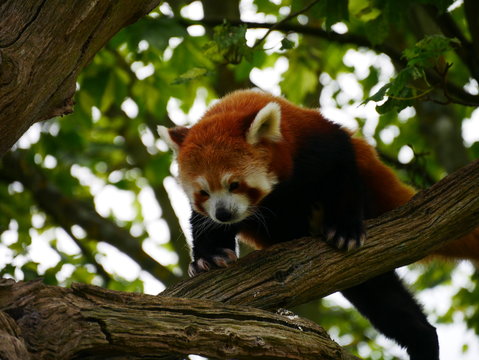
(258, 168)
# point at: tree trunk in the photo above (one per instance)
(56, 323)
(44, 44)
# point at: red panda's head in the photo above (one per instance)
(228, 161)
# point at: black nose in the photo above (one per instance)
(223, 214)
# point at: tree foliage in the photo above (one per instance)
(403, 73)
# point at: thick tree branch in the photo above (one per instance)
(44, 45)
(92, 323)
(12, 346)
(297, 272)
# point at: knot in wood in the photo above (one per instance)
(282, 275)
(8, 70)
(260, 341)
(191, 331)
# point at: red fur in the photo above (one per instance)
(220, 125)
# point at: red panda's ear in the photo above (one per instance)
(173, 137)
(266, 125)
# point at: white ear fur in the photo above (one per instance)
(165, 136)
(266, 125)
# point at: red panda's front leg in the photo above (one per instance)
(326, 167)
(214, 245)
(343, 216)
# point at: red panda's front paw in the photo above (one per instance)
(221, 259)
(346, 239)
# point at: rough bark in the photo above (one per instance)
(44, 44)
(88, 322)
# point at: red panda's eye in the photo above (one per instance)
(234, 185)
(204, 193)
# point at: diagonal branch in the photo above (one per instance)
(299, 271)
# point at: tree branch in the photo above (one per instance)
(297, 272)
(43, 47)
(136, 326)
(12, 345)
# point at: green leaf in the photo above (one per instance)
(192, 74)
(286, 44)
(30, 270)
(363, 10)
(229, 44)
(379, 95)
(426, 52)
(266, 6)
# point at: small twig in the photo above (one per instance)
(412, 97)
(286, 19)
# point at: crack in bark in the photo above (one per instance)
(27, 25)
(103, 327)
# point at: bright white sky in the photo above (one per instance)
(109, 199)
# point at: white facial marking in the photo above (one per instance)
(236, 204)
(226, 179)
(203, 183)
(261, 180)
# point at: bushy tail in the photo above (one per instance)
(387, 192)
